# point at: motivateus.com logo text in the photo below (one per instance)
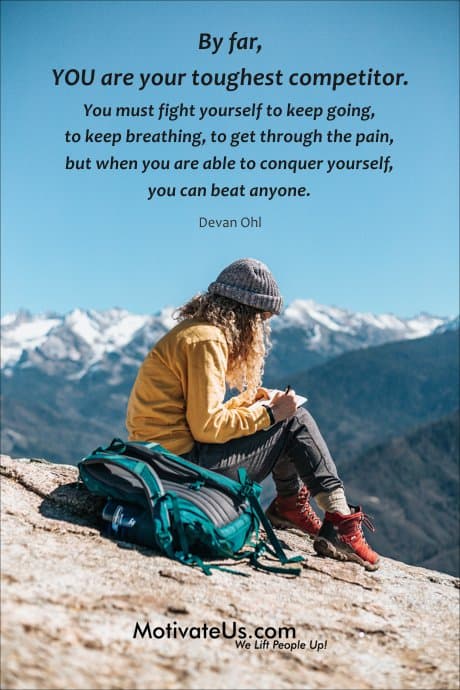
(227, 630)
(261, 637)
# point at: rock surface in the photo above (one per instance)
(71, 600)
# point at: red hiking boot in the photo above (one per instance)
(294, 511)
(341, 537)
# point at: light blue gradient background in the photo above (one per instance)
(367, 241)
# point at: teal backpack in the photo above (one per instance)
(173, 506)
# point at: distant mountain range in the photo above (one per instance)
(367, 396)
(370, 381)
(411, 486)
(308, 334)
(305, 334)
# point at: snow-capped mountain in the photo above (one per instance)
(80, 339)
(86, 340)
(452, 325)
(308, 313)
(333, 330)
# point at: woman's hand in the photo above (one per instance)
(283, 405)
(262, 394)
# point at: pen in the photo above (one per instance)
(288, 388)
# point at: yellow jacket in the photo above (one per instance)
(177, 397)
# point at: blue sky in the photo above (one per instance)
(364, 241)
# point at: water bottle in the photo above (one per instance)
(118, 516)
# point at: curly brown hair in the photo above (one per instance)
(246, 331)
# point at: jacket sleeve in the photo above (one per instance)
(211, 421)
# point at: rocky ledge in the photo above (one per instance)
(80, 611)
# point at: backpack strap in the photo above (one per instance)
(117, 445)
(277, 550)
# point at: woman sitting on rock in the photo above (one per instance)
(178, 401)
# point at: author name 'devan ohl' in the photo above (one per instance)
(243, 222)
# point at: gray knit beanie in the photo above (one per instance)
(250, 282)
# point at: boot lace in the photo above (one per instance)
(303, 504)
(367, 522)
(357, 532)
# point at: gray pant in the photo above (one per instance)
(290, 450)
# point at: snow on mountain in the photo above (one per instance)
(85, 335)
(452, 325)
(306, 313)
(22, 331)
(330, 331)
(87, 339)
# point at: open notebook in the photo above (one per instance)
(300, 399)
